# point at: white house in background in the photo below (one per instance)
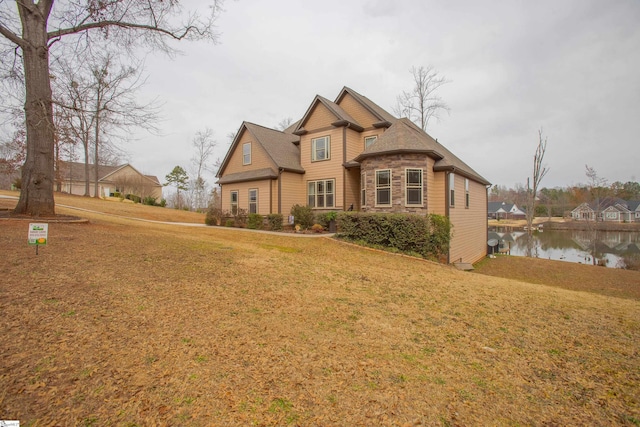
(503, 210)
(123, 179)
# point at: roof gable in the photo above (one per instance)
(280, 147)
(385, 119)
(342, 118)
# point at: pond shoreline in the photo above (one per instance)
(564, 224)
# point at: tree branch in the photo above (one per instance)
(105, 24)
(11, 36)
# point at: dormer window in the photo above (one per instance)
(246, 153)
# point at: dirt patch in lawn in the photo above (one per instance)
(120, 322)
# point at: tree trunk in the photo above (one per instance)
(36, 197)
(97, 146)
(87, 174)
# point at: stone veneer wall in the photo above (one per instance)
(397, 163)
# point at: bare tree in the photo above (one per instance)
(421, 103)
(596, 186)
(38, 27)
(284, 123)
(203, 144)
(12, 153)
(533, 183)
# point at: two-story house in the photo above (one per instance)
(350, 154)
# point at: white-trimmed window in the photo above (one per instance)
(320, 194)
(253, 200)
(320, 149)
(383, 187)
(234, 202)
(452, 189)
(466, 193)
(368, 140)
(246, 153)
(363, 189)
(413, 187)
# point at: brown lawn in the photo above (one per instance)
(576, 277)
(122, 322)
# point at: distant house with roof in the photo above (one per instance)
(350, 154)
(504, 210)
(609, 209)
(124, 179)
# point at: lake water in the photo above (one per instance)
(614, 249)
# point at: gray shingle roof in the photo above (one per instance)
(405, 137)
(252, 175)
(75, 171)
(280, 146)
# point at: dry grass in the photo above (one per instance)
(121, 322)
(577, 277)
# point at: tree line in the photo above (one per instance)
(558, 201)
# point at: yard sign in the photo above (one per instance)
(38, 234)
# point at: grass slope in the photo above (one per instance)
(120, 322)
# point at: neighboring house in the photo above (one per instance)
(351, 154)
(608, 210)
(634, 207)
(503, 210)
(123, 179)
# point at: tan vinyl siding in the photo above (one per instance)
(356, 110)
(264, 196)
(355, 144)
(436, 192)
(469, 241)
(352, 189)
(259, 158)
(326, 169)
(293, 192)
(319, 118)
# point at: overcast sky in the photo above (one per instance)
(570, 67)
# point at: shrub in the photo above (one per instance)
(240, 218)
(150, 201)
(275, 221)
(255, 221)
(17, 183)
(229, 222)
(414, 234)
(324, 218)
(317, 228)
(213, 216)
(163, 203)
(133, 198)
(303, 215)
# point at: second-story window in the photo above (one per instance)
(452, 190)
(466, 193)
(320, 149)
(246, 153)
(370, 140)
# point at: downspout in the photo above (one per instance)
(487, 220)
(447, 204)
(344, 170)
(280, 170)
